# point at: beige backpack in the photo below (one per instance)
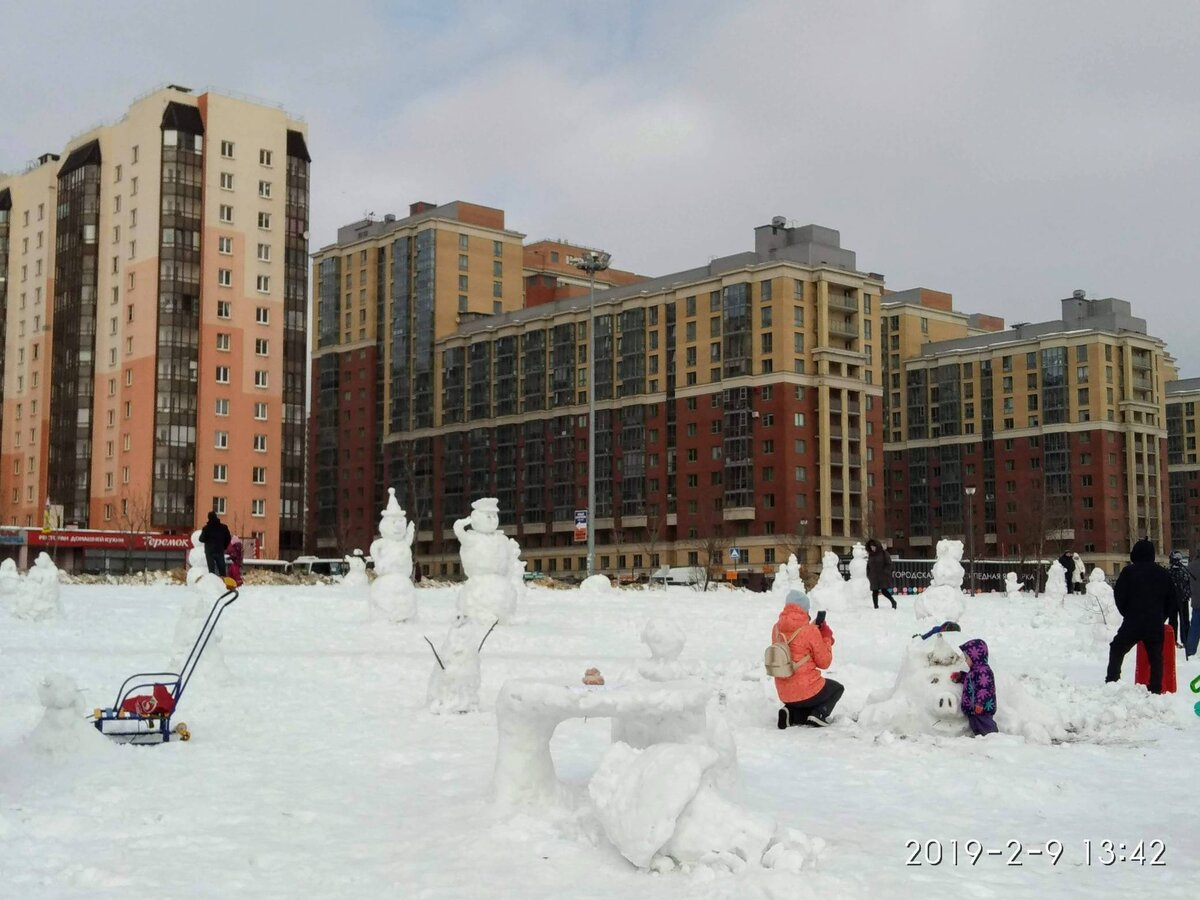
(778, 657)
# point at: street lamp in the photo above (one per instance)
(971, 533)
(592, 261)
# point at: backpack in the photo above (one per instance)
(778, 657)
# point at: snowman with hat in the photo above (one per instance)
(490, 559)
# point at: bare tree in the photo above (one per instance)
(652, 536)
(711, 546)
(134, 518)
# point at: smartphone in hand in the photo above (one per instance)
(820, 619)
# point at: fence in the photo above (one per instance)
(990, 574)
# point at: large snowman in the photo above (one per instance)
(943, 600)
(829, 593)
(858, 588)
(491, 562)
(393, 596)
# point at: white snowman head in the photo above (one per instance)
(664, 638)
(392, 521)
(8, 569)
(485, 515)
(859, 551)
(57, 691)
(44, 561)
(1097, 576)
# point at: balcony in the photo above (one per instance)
(841, 301)
(1140, 363)
(843, 328)
(1142, 384)
(737, 513)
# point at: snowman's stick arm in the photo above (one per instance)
(435, 653)
(486, 636)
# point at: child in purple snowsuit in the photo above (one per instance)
(979, 688)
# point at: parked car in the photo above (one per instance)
(281, 566)
(312, 565)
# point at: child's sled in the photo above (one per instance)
(146, 718)
(1141, 674)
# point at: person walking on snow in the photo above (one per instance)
(1182, 579)
(1145, 598)
(979, 688)
(215, 537)
(1078, 574)
(879, 572)
(1193, 638)
(808, 698)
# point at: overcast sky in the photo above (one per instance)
(1007, 152)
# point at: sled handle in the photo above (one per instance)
(210, 623)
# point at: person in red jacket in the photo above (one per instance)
(808, 697)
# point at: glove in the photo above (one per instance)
(826, 632)
(956, 677)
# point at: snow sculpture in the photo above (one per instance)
(943, 601)
(489, 560)
(665, 640)
(1056, 582)
(596, 584)
(10, 583)
(858, 588)
(829, 593)
(659, 809)
(454, 682)
(923, 700)
(1101, 605)
(356, 572)
(1012, 587)
(37, 598)
(788, 577)
(63, 729)
(393, 596)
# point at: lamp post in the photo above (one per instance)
(592, 261)
(971, 533)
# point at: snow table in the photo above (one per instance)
(1141, 674)
(528, 711)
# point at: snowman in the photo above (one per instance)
(203, 582)
(858, 588)
(829, 593)
(1056, 582)
(1012, 587)
(665, 640)
(10, 583)
(1101, 609)
(788, 577)
(38, 596)
(356, 571)
(454, 682)
(923, 699)
(943, 600)
(490, 562)
(393, 597)
(62, 729)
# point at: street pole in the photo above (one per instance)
(591, 262)
(971, 533)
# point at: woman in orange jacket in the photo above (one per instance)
(808, 697)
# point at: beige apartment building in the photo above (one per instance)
(153, 294)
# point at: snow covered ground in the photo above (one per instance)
(315, 770)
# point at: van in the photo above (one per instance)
(680, 576)
(311, 565)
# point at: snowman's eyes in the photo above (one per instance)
(934, 680)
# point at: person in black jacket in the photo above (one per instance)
(1145, 598)
(1067, 561)
(1182, 580)
(215, 537)
(879, 572)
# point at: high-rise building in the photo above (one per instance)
(1043, 437)
(153, 295)
(736, 402)
(1183, 464)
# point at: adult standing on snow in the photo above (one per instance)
(808, 698)
(215, 537)
(879, 572)
(1193, 638)
(1078, 574)
(1067, 561)
(1182, 579)
(1145, 598)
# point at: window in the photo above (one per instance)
(222, 406)
(497, 289)
(258, 475)
(221, 440)
(226, 213)
(798, 419)
(260, 378)
(222, 374)
(463, 241)
(219, 506)
(224, 309)
(265, 157)
(225, 277)
(262, 315)
(263, 284)
(227, 181)
(222, 341)
(220, 472)
(260, 346)
(129, 377)
(497, 268)
(258, 508)
(264, 221)
(135, 153)
(116, 173)
(497, 248)
(260, 411)
(227, 149)
(260, 443)
(264, 190)
(264, 252)
(225, 246)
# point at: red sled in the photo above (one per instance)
(160, 703)
(1141, 674)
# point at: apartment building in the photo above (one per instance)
(550, 275)
(1183, 464)
(153, 297)
(1040, 437)
(737, 404)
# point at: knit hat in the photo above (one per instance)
(796, 597)
(1176, 558)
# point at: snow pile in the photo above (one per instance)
(788, 577)
(1056, 583)
(393, 596)
(1113, 713)
(665, 639)
(37, 596)
(829, 593)
(659, 809)
(454, 681)
(1012, 586)
(356, 575)
(597, 585)
(858, 588)
(943, 601)
(63, 730)
(491, 561)
(10, 584)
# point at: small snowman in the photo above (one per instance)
(62, 729)
(38, 599)
(829, 593)
(665, 640)
(858, 588)
(1012, 587)
(454, 681)
(787, 577)
(356, 573)
(1056, 582)
(393, 596)
(10, 583)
